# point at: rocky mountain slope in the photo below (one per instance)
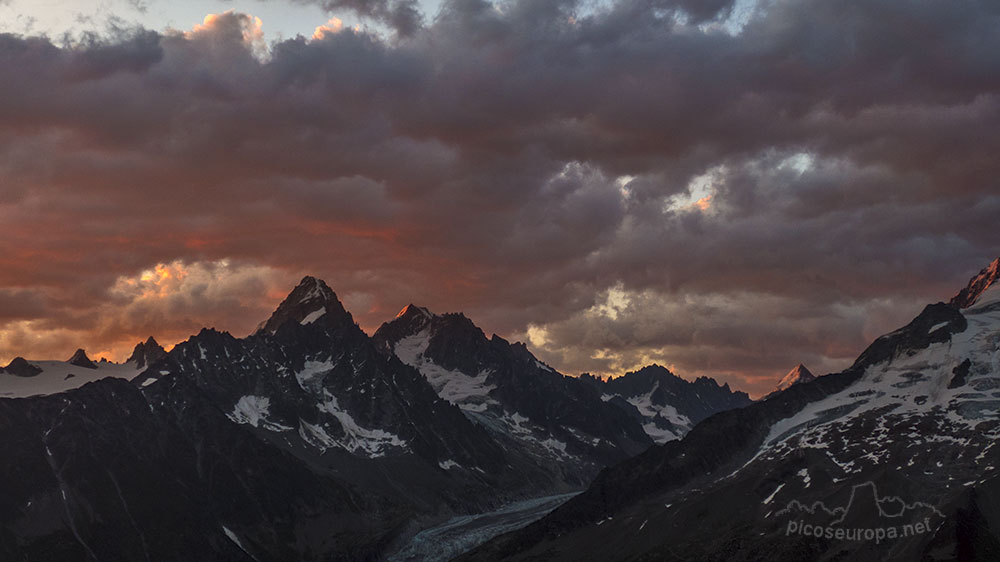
(306, 440)
(667, 405)
(560, 421)
(891, 459)
(110, 472)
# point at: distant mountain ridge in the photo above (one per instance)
(559, 420)
(667, 405)
(916, 416)
(306, 440)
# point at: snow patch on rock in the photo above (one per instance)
(469, 393)
(356, 439)
(253, 410)
(313, 316)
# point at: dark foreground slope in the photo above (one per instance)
(108, 473)
(299, 442)
(892, 459)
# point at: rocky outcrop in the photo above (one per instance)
(20, 367)
(80, 359)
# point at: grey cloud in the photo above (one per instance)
(516, 163)
(703, 10)
(21, 304)
(96, 58)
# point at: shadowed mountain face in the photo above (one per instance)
(667, 405)
(109, 472)
(309, 381)
(19, 367)
(892, 459)
(573, 425)
(80, 359)
(299, 442)
(146, 353)
(559, 421)
(306, 440)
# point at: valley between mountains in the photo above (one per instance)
(310, 440)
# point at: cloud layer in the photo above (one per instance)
(726, 191)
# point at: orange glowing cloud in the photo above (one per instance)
(704, 203)
(170, 301)
(335, 25)
(250, 29)
(158, 282)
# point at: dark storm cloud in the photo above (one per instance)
(132, 51)
(758, 193)
(20, 304)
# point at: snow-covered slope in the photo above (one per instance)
(667, 405)
(657, 415)
(470, 393)
(60, 376)
(560, 421)
(902, 443)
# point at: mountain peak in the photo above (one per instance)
(146, 353)
(21, 368)
(409, 322)
(310, 301)
(411, 310)
(797, 375)
(309, 289)
(977, 286)
(80, 359)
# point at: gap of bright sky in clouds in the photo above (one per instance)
(280, 19)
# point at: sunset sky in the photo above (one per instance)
(727, 189)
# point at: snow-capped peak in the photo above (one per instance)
(797, 375)
(978, 285)
(311, 288)
(309, 302)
